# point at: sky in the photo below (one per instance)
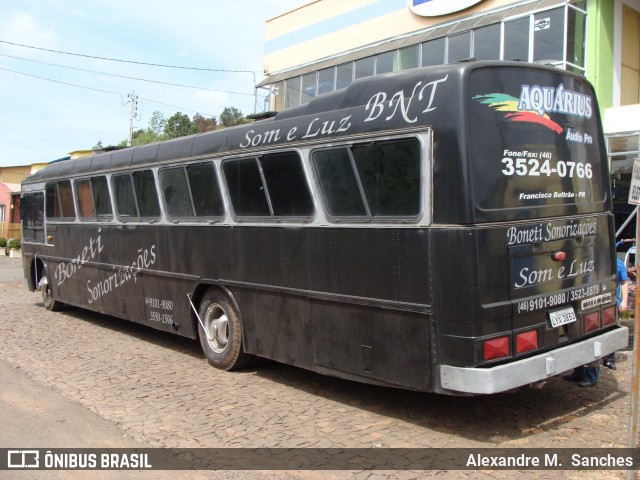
(55, 103)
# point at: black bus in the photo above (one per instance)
(443, 229)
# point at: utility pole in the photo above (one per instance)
(133, 112)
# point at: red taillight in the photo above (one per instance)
(496, 348)
(526, 341)
(591, 322)
(609, 316)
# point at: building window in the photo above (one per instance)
(292, 98)
(459, 47)
(309, 87)
(548, 35)
(433, 52)
(556, 36)
(576, 27)
(344, 75)
(364, 67)
(385, 62)
(326, 80)
(277, 93)
(486, 43)
(516, 39)
(409, 57)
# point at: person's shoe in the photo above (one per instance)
(586, 383)
(573, 378)
(610, 364)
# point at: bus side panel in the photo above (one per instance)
(371, 344)
(271, 256)
(383, 264)
(124, 297)
(373, 321)
(271, 260)
(166, 304)
(276, 326)
(456, 290)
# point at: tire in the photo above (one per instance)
(223, 346)
(47, 294)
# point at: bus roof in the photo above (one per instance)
(276, 131)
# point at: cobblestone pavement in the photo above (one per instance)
(160, 391)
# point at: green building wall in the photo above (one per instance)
(600, 36)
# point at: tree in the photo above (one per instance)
(179, 125)
(231, 116)
(157, 124)
(204, 124)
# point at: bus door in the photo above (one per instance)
(32, 216)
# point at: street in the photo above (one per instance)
(111, 383)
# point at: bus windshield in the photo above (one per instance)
(546, 156)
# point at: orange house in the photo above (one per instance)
(10, 179)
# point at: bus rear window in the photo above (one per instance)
(535, 143)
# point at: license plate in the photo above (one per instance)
(561, 317)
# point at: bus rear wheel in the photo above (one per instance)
(221, 337)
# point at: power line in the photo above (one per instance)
(99, 90)
(59, 81)
(179, 108)
(124, 76)
(125, 61)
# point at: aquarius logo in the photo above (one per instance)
(501, 102)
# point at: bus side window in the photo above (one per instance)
(101, 200)
(390, 176)
(146, 194)
(93, 200)
(205, 190)
(85, 200)
(376, 181)
(60, 200)
(272, 185)
(191, 192)
(124, 196)
(247, 193)
(175, 193)
(136, 195)
(287, 185)
(338, 183)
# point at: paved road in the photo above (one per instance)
(157, 390)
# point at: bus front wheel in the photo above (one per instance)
(220, 332)
(47, 293)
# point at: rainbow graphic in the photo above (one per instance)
(501, 102)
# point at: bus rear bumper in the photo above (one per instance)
(462, 380)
